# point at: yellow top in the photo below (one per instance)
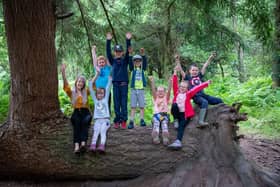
(78, 103)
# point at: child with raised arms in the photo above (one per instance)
(101, 113)
(81, 116)
(161, 98)
(137, 66)
(182, 108)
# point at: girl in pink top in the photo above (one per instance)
(161, 99)
(182, 108)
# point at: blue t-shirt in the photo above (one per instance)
(195, 81)
(103, 78)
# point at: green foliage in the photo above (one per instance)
(259, 100)
(4, 95)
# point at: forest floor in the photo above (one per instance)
(264, 152)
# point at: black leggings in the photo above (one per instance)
(80, 119)
(183, 122)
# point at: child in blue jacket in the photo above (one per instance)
(119, 65)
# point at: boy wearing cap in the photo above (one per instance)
(137, 66)
(119, 65)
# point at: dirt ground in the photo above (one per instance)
(264, 152)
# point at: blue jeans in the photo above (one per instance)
(120, 92)
(203, 100)
(183, 122)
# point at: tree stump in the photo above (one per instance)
(209, 157)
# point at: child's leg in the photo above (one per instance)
(155, 132)
(105, 124)
(165, 133)
(203, 104)
(175, 114)
(180, 133)
(104, 127)
(132, 114)
(213, 100)
(96, 132)
(133, 103)
(117, 103)
(123, 99)
(182, 125)
(141, 102)
(85, 126)
(75, 120)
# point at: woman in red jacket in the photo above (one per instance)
(182, 108)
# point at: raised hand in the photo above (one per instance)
(109, 36)
(151, 78)
(128, 35)
(130, 50)
(62, 68)
(142, 51)
(93, 49)
(213, 55)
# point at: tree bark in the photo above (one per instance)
(30, 30)
(276, 61)
(209, 157)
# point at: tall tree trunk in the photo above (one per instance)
(241, 68)
(276, 61)
(239, 49)
(30, 30)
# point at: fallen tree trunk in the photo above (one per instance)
(209, 157)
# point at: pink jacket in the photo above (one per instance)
(189, 112)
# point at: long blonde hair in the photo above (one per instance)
(84, 91)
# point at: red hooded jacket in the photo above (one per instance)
(189, 112)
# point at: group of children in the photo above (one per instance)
(114, 73)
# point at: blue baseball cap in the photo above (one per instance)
(118, 48)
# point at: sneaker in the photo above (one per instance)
(76, 151)
(116, 125)
(123, 125)
(92, 147)
(101, 148)
(142, 123)
(176, 145)
(130, 125)
(176, 123)
(165, 138)
(155, 137)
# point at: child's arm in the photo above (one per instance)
(153, 87)
(108, 88)
(131, 66)
(169, 88)
(198, 88)
(94, 58)
(66, 87)
(175, 82)
(211, 57)
(92, 84)
(144, 63)
(178, 65)
(128, 44)
(108, 48)
(96, 75)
